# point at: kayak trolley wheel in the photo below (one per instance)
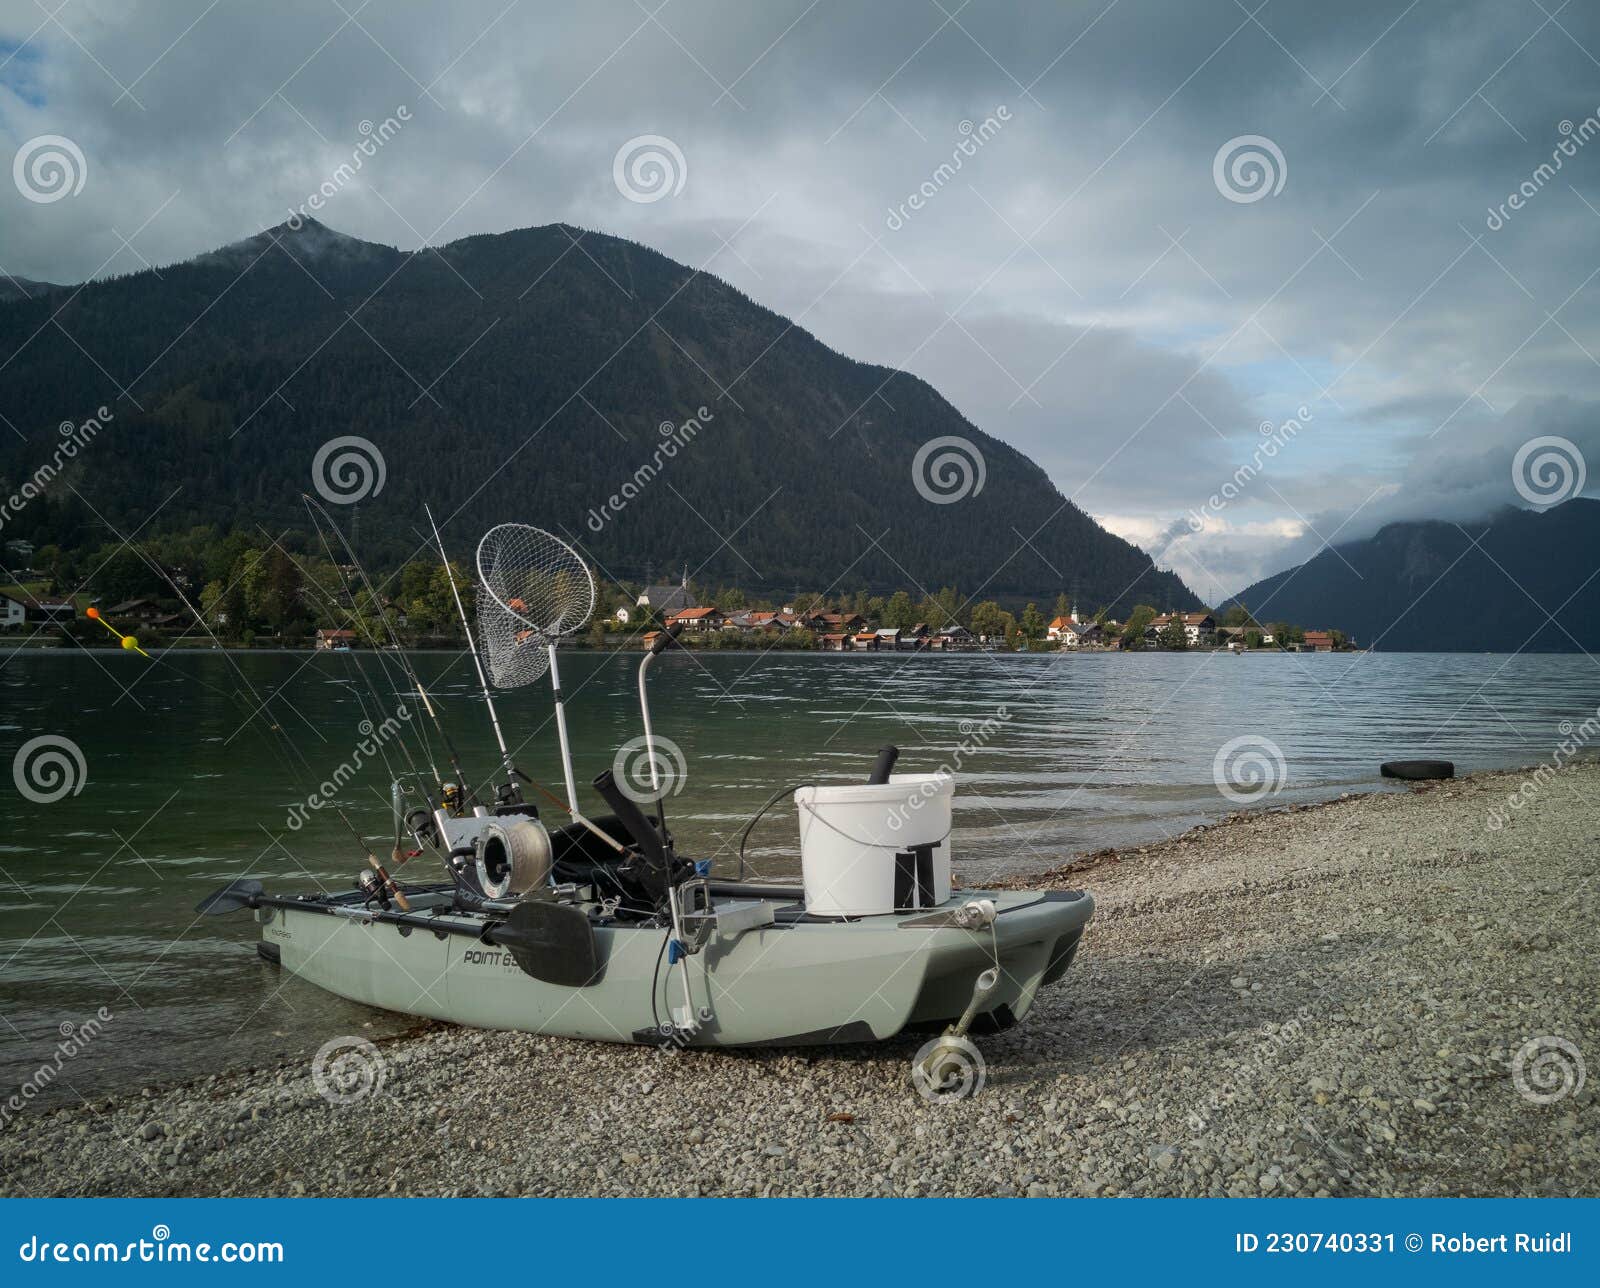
(948, 1069)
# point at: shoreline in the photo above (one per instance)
(1316, 999)
(578, 646)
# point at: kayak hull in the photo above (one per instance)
(798, 981)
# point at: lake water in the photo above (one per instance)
(185, 788)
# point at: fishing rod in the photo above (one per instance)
(535, 588)
(372, 689)
(483, 680)
(262, 706)
(313, 509)
(570, 806)
(511, 794)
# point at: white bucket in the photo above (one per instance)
(856, 845)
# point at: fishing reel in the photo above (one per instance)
(421, 824)
(372, 889)
(511, 856)
(508, 795)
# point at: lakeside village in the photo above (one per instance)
(272, 598)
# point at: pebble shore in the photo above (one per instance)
(1381, 995)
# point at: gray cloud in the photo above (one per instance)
(1078, 285)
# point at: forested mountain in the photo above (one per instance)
(23, 288)
(529, 376)
(1523, 580)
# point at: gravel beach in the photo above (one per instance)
(1383, 995)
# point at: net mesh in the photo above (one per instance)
(533, 588)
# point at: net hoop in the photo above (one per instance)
(533, 589)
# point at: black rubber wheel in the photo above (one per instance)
(269, 953)
(1417, 770)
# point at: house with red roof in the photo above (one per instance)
(697, 619)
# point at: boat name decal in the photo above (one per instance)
(488, 957)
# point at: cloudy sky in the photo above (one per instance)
(1140, 232)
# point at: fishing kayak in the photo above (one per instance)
(768, 975)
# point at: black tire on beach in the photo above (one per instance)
(1417, 770)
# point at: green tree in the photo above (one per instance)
(1133, 629)
(249, 576)
(900, 611)
(1063, 605)
(416, 595)
(50, 560)
(429, 603)
(989, 620)
(281, 600)
(223, 607)
(123, 574)
(1033, 623)
(1173, 637)
(951, 608)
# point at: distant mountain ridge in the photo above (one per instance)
(1491, 586)
(527, 375)
(24, 288)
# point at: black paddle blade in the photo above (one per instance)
(231, 898)
(552, 942)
